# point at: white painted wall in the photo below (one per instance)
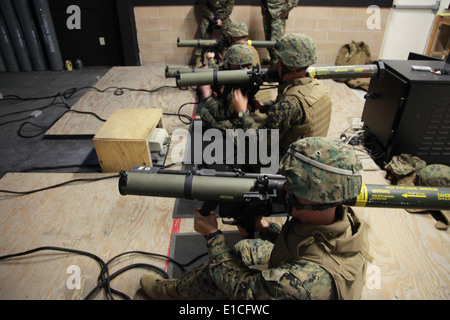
(407, 30)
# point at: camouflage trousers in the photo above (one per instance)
(206, 28)
(207, 31)
(198, 283)
(274, 29)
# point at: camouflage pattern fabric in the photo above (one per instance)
(296, 50)
(285, 113)
(402, 169)
(282, 114)
(329, 266)
(215, 116)
(233, 29)
(236, 29)
(239, 30)
(277, 7)
(354, 53)
(221, 65)
(208, 8)
(341, 248)
(273, 21)
(436, 175)
(240, 55)
(219, 113)
(308, 167)
(287, 110)
(228, 277)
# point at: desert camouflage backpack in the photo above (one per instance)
(354, 53)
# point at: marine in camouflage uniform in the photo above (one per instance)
(305, 260)
(212, 10)
(303, 106)
(219, 113)
(275, 13)
(235, 33)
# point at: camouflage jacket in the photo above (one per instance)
(302, 280)
(282, 114)
(222, 8)
(220, 65)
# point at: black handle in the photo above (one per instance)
(207, 207)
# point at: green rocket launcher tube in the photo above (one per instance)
(172, 72)
(205, 185)
(213, 43)
(221, 187)
(336, 72)
(217, 77)
(207, 76)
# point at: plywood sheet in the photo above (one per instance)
(92, 217)
(147, 77)
(411, 255)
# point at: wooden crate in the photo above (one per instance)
(122, 142)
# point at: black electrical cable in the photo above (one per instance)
(59, 185)
(32, 169)
(102, 278)
(67, 95)
(180, 115)
(45, 128)
(105, 278)
(70, 92)
(107, 281)
(84, 253)
(51, 104)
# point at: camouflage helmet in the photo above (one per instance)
(435, 175)
(236, 29)
(296, 50)
(322, 170)
(403, 168)
(238, 54)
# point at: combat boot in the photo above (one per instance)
(158, 288)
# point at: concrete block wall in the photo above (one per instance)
(158, 28)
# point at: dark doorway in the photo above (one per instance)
(97, 40)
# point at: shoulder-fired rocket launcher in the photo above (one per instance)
(215, 43)
(207, 76)
(245, 196)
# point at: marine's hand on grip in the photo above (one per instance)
(205, 225)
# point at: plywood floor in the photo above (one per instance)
(148, 77)
(411, 255)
